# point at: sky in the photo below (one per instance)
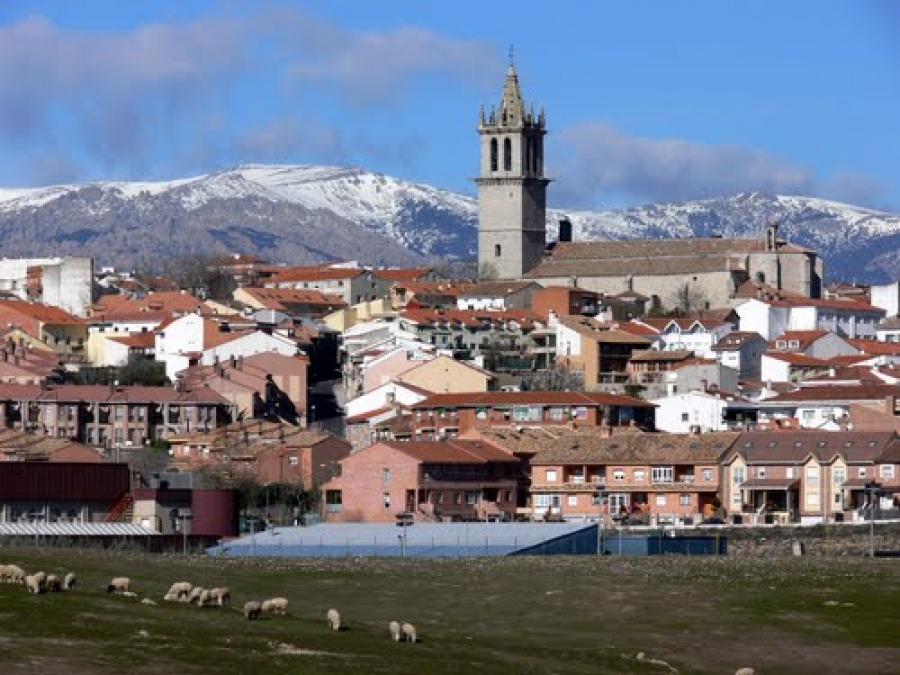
(650, 101)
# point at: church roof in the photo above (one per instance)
(512, 106)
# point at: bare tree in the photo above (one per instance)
(687, 300)
(555, 378)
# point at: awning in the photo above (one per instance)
(771, 484)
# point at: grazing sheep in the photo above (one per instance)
(69, 582)
(334, 619)
(394, 627)
(41, 579)
(129, 594)
(221, 596)
(118, 585)
(54, 584)
(745, 671)
(409, 631)
(252, 609)
(181, 588)
(205, 598)
(5, 574)
(275, 606)
(17, 574)
(195, 594)
(170, 597)
(33, 585)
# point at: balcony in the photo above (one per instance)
(570, 486)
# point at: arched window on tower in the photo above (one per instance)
(529, 145)
(494, 154)
(496, 250)
(507, 154)
(536, 157)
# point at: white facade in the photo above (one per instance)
(772, 320)
(64, 282)
(694, 411)
(773, 369)
(568, 341)
(887, 296)
(696, 338)
(760, 317)
(392, 393)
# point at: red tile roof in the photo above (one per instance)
(866, 392)
(510, 398)
(46, 314)
(402, 274)
(452, 452)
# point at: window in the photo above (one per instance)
(558, 414)
(684, 500)
(507, 154)
(887, 470)
(737, 475)
(862, 472)
(494, 154)
(639, 475)
(706, 475)
(661, 474)
(618, 475)
(660, 500)
(293, 460)
(497, 251)
(839, 475)
(809, 415)
(385, 476)
(685, 417)
(471, 497)
(789, 472)
(572, 500)
(386, 500)
(551, 475)
(760, 472)
(812, 474)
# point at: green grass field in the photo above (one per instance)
(499, 615)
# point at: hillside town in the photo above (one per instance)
(661, 383)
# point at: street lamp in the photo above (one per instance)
(184, 516)
(600, 494)
(873, 488)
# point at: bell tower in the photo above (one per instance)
(512, 190)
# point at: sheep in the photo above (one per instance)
(129, 594)
(205, 598)
(252, 609)
(334, 619)
(745, 671)
(394, 627)
(69, 582)
(33, 585)
(222, 596)
(54, 584)
(170, 597)
(17, 574)
(5, 574)
(118, 585)
(41, 579)
(275, 606)
(409, 631)
(181, 588)
(195, 593)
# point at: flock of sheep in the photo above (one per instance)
(182, 591)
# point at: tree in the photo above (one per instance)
(555, 378)
(687, 300)
(202, 275)
(487, 271)
(137, 370)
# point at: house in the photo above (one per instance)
(564, 301)
(742, 351)
(444, 480)
(22, 363)
(265, 385)
(64, 333)
(64, 282)
(444, 374)
(698, 375)
(425, 294)
(291, 301)
(887, 297)
(101, 415)
(651, 478)
(598, 351)
(352, 284)
(888, 330)
(496, 295)
(774, 317)
(23, 446)
(693, 335)
(649, 366)
(386, 366)
(448, 415)
(270, 452)
(818, 344)
(703, 411)
(823, 407)
(808, 477)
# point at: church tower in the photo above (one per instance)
(512, 190)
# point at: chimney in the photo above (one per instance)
(390, 398)
(233, 361)
(240, 363)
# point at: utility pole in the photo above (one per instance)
(600, 494)
(873, 488)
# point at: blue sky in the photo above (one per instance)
(645, 101)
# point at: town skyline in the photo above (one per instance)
(676, 104)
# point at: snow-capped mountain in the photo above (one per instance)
(297, 214)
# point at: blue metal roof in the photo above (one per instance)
(450, 540)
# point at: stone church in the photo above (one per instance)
(512, 231)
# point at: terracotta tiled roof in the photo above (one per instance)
(139, 340)
(602, 332)
(654, 355)
(25, 446)
(510, 398)
(402, 274)
(800, 360)
(102, 393)
(281, 299)
(315, 273)
(452, 452)
(662, 323)
(735, 340)
(803, 337)
(170, 302)
(46, 314)
(469, 317)
(592, 446)
(876, 348)
(866, 392)
(766, 447)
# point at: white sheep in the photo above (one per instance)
(195, 594)
(181, 588)
(334, 619)
(252, 609)
(170, 597)
(118, 585)
(394, 627)
(409, 631)
(54, 583)
(69, 582)
(221, 596)
(5, 574)
(42, 580)
(205, 598)
(745, 671)
(275, 606)
(17, 574)
(33, 585)
(129, 594)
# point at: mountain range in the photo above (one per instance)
(305, 214)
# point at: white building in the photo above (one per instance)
(61, 282)
(699, 411)
(847, 318)
(887, 297)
